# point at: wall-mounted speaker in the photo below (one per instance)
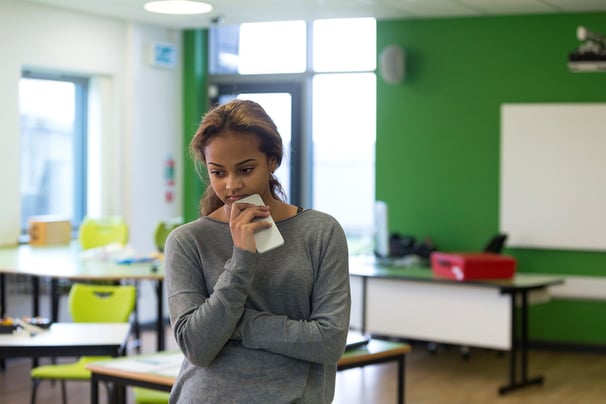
(392, 64)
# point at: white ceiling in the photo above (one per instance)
(238, 11)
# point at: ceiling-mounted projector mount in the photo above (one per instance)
(591, 54)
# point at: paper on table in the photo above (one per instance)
(165, 364)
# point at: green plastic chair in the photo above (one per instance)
(163, 229)
(100, 232)
(149, 396)
(87, 304)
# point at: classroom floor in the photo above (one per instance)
(431, 377)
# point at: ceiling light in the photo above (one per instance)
(178, 7)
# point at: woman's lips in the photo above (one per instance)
(234, 198)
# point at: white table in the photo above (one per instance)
(67, 339)
(414, 303)
(68, 262)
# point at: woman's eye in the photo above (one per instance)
(215, 173)
(247, 170)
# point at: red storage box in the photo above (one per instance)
(468, 266)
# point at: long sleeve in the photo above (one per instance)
(203, 322)
(321, 337)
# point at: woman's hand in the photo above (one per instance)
(243, 224)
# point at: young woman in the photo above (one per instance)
(254, 327)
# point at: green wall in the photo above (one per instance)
(438, 137)
(195, 104)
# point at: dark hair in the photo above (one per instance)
(241, 116)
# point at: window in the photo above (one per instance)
(344, 122)
(256, 48)
(335, 64)
(344, 45)
(53, 146)
(344, 149)
(262, 51)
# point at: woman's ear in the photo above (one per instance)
(273, 164)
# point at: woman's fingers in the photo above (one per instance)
(245, 221)
(247, 212)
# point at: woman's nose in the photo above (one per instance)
(232, 183)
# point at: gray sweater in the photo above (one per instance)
(258, 328)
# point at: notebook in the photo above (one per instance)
(355, 340)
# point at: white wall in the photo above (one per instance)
(136, 121)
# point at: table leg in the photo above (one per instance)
(137, 325)
(2, 294)
(118, 393)
(364, 305)
(94, 389)
(2, 307)
(401, 380)
(514, 344)
(35, 296)
(524, 346)
(160, 318)
(35, 306)
(54, 298)
(519, 347)
(524, 338)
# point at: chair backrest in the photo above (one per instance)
(89, 303)
(101, 232)
(496, 244)
(163, 229)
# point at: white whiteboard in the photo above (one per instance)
(553, 175)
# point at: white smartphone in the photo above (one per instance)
(265, 239)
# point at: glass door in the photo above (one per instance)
(283, 104)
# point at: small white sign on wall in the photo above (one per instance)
(163, 55)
